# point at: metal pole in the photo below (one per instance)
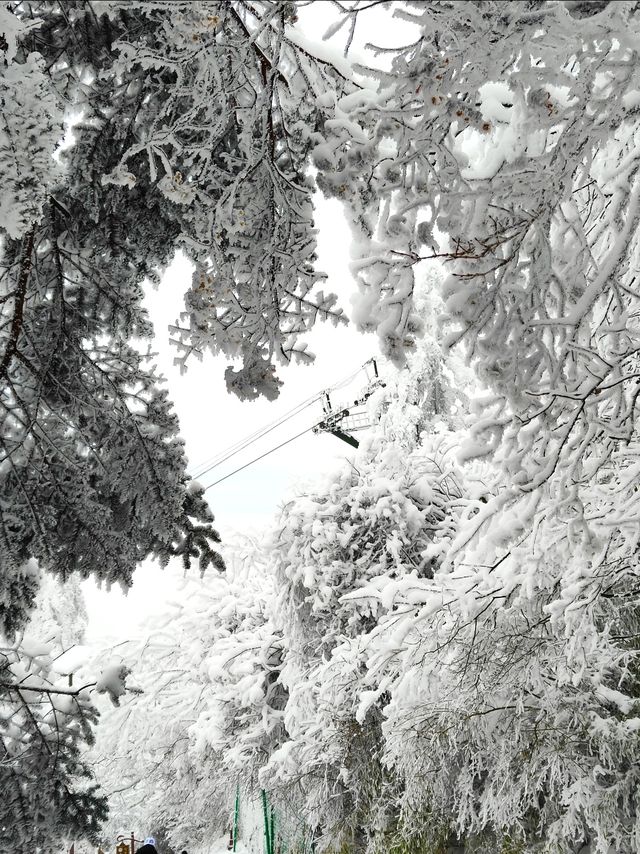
(273, 831)
(235, 817)
(266, 822)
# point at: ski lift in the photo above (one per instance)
(343, 422)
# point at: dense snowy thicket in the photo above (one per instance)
(399, 695)
(438, 648)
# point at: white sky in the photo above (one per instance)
(211, 420)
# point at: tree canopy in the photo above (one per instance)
(446, 645)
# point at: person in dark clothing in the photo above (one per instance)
(148, 848)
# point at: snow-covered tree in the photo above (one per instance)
(60, 616)
(513, 711)
(502, 140)
(388, 515)
(93, 472)
(51, 797)
(48, 790)
(255, 678)
(225, 137)
(30, 129)
(210, 712)
(475, 620)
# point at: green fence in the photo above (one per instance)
(262, 824)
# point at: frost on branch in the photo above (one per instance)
(514, 696)
(383, 522)
(503, 141)
(225, 137)
(30, 130)
(92, 469)
(112, 682)
(254, 379)
(48, 791)
(211, 707)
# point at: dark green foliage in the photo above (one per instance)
(94, 473)
(47, 788)
(92, 469)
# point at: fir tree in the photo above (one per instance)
(48, 790)
(92, 470)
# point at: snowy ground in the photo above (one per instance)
(219, 846)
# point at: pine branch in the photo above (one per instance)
(17, 687)
(20, 296)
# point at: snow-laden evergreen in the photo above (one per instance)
(226, 137)
(49, 793)
(438, 647)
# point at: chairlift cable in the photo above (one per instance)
(223, 456)
(261, 457)
(258, 433)
(292, 438)
(242, 444)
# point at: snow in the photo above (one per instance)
(496, 100)
(112, 682)
(451, 593)
(33, 648)
(321, 50)
(72, 659)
